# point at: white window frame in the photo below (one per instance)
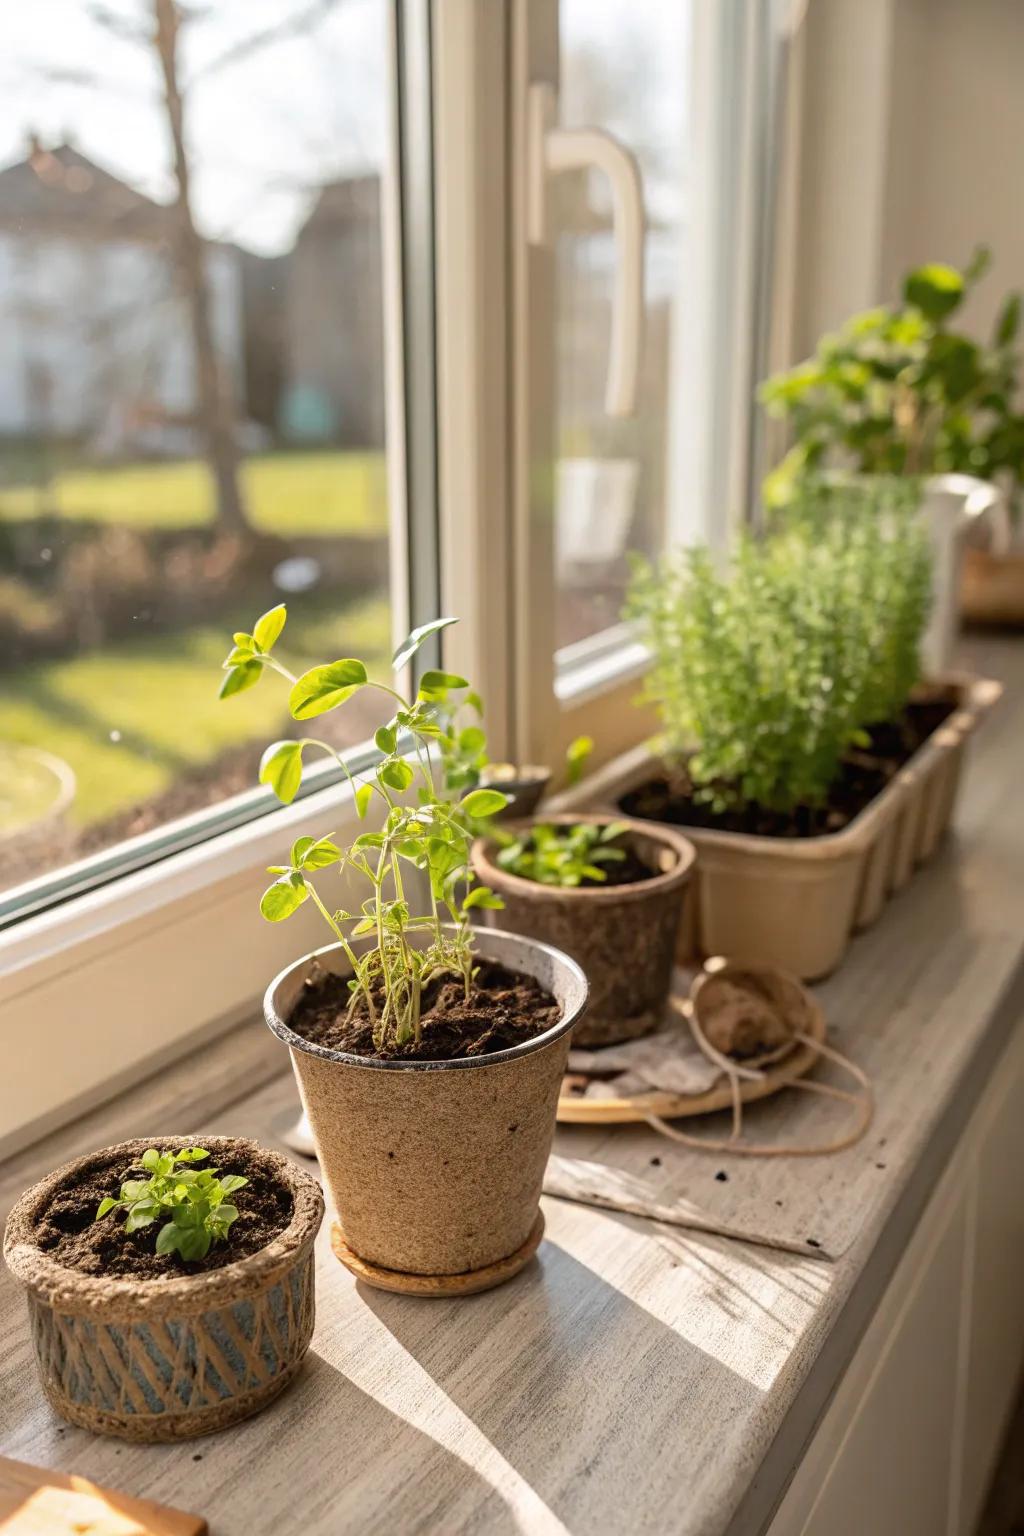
(122, 977)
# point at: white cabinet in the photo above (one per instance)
(910, 1439)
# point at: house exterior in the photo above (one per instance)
(334, 322)
(95, 339)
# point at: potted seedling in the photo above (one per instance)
(899, 391)
(170, 1284)
(801, 753)
(609, 893)
(428, 1054)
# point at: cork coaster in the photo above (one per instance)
(466, 1284)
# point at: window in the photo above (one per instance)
(192, 401)
(303, 340)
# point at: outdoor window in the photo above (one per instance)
(274, 326)
(193, 422)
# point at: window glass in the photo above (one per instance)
(192, 414)
(624, 68)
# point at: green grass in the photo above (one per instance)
(284, 493)
(131, 718)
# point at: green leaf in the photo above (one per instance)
(482, 896)
(238, 678)
(576, 756)
(934, 289)
(386, 738)
(151, 1159)
(284, 897)
(281, 768)
(169, 1238)
(412, 642)
(324, 688)
(397, 774)
(434, 681)
(1008, 323)
(106, 1205)
(484, 802)
(363, 796)
(322, 854)
(269, 626)
(231, 1182)
(300, 848)
(472, 740)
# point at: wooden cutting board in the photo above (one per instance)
(37, 1502)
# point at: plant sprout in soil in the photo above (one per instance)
(426, 761)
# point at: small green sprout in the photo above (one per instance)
(576, 758)
(564, 856)
(192, 1204)
(427, 760)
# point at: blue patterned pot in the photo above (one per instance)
(167, 1359)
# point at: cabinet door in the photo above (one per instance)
(891, 1474)
(995, 1353)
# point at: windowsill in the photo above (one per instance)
(626, 1334)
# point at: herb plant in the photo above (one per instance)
(898, 391)
(768, 669)
(193, 1205)
(563, 856)
(424, 754)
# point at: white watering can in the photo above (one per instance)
(952, 507)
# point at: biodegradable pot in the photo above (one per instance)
(795, 902)
(435, 1167)
(152, 1360)
(623, 936)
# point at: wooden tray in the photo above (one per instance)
(573, 1109)
(36, 1500)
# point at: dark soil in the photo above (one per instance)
(628, 871)
(504, 1009)
(69, 1232)
(863, 776)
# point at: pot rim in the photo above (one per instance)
(570, 1017)
(74, 1291)
(605, 895)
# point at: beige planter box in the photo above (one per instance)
(795, 902)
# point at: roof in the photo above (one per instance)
(353, 200)
(60, 191)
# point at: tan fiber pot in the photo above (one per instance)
(162, 1359)
(992, 587)
(435, 1167)
(623, 936)
(795, 902)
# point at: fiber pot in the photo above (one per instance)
(152, 1360)
(623, 936)
(796, 902)
(435, 1167)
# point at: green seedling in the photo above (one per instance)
(191, 1203)
(563, 856)
(426, 760)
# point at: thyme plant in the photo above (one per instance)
(425, 758)
(770, 667)
(897, 390)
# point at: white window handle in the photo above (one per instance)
(552, 149)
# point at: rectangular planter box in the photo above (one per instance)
(796, 902)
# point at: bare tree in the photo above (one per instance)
(216, 397)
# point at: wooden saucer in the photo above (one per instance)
(466, 1284)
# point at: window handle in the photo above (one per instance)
(551, 150)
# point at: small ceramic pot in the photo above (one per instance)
(168, 1359)
(623, 936)
(435, 1167)
(525, 787)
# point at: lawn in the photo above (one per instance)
(284, 493)
(132, 717)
